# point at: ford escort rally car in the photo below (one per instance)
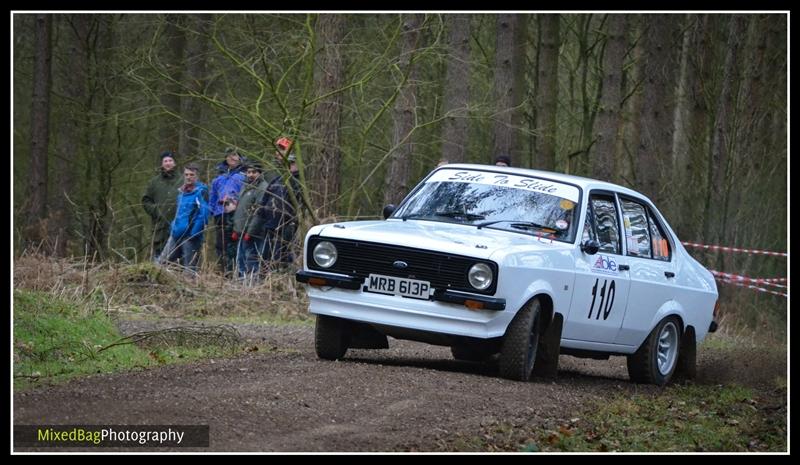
(517, 266)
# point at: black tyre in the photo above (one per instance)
(331, 337)
(518, 352)
(546, 365)
(657, 358)
(687, 359)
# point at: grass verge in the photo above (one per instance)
(686, 418)
(56, 339)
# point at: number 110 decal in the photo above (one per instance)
(606, 297)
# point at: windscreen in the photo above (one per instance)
(515, 203)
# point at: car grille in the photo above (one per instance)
(360, 259)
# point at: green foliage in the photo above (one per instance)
(680, 418)
(56, 340)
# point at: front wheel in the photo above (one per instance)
(518, 352)
(331, 337)
(656, 359)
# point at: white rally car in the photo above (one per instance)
(516, 264)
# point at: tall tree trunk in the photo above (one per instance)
(519, 93)
(588, 107)
(748, 141)
(326, 152)
(632, 104)
(403, 115)
(546, 102)
(456, 89)
(71, 127)
(680, 143)
(100, 152)
(608, 121)
(40, 129)
(197, 45)
(699, 70)
(169, 131)
(506, 90)
(722, 142)
(655, 138)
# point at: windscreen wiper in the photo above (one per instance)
(413, 216)
(458, 214)
(516, 224)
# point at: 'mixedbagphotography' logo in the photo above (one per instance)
(111, 435)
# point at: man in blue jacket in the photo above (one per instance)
(224, 198)
(186, 233)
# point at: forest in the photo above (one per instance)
(689, 109)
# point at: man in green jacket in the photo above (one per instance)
(248, 225)
(160, 199)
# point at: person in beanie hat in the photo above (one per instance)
(159, 201)
(223, 200)
(248, 224)
(502, 160)
(278, 206)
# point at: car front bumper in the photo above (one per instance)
(447, 313)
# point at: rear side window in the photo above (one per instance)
(661, 249)
(637, 234)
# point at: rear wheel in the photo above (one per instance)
(518, 352)
(331, 337)
(656, 359)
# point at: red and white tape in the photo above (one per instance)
(744, 279)
(734, 249)
(774, 280)
(750, 286)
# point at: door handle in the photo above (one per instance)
(669, 274)
(624, 267)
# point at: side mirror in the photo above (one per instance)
(590, 246)
(388, 210)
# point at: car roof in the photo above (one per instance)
(584, 183)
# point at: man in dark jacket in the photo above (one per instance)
(159, 201)
(223, 200)
(248, 224)
(278, 206)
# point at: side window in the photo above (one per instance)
(605, 222)
(637, 235)
(661, 250)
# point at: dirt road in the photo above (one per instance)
(411, 397)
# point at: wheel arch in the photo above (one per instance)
(668, 309)
(546, 308)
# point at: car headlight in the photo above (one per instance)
(325, 254)
(480, 276)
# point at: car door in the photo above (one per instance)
(601, 285)
(648, 253)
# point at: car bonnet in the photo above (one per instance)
(457, 239)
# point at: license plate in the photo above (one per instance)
(405, 287)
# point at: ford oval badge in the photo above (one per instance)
(401, 265)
